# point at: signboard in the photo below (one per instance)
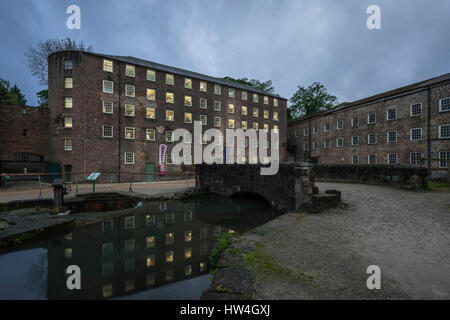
(93, 176)
(162, 158)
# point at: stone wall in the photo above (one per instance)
(404, 176)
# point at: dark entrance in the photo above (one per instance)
(67, 173)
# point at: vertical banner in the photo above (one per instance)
(162, 158)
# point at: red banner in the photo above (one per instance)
(162, 159)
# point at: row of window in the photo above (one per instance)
(415, 159)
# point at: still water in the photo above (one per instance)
(159, 251)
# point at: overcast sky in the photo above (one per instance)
(291, 43)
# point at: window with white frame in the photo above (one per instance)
(444, 131)
(372, 159)
(107, 225)
(340, 125)
(315, 130)
(108, 107)
(217, 121)
(188, 101)
(129, 222)
(296, 133)
(203, 103)
(169, 136)
(188, 83)
(392, 158)
(68, 82)
(266, 127)
(305, 132)
(415, 109)
(372, 118)
(355, 122)
(244, 125)
(326, 144)
(170, 115)
(170, 97)
(391, 136)
(244, 110)
(203, 86)
(391, 114)
(416, 134)
(68, 64)
(217, 89)
(129, 157)
(244, 95)
(230, 123)
(306, 146)
(255, 98)
(231, 92)
(68, 144)
(108, 86)
(444, 159)
(130, 71)
(151, 75)
(266, 114)
(275, 102)
(255, 126)
(150, 113)
(315, 145)
(326, 127)
(339, 142)
(129, 110)
(130, 90)
(372, 138)
(151, 94)
(355, 140)
(129, 133)
(230, 108)
(68, 103)
(150, 134)
(107, 131)
(107, 65)
(187, 117)
(204, 119)
(169, 159)
(217, 105)
(266, 100)
(355, 159)
(255, 112)
(170, 79)
(275, 116)
(68, 122)
(416, 158)
(444, 105)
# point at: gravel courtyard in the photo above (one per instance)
(325, 256)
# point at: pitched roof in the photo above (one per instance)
(408, 88)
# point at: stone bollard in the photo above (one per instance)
(303, 188)
(58, 195)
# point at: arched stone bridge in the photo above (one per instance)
(289, 190)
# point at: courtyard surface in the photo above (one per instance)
(326, 255)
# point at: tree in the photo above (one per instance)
(37, 57)
(312, 99)
(43, 98)
(11, 96)
(264, 86)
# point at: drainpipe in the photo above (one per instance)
(309, 139)
(119, 113)
(429, 129)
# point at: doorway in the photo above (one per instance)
(67, 173)
(149, 171)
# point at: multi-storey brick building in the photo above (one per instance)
(406, 126)
(111, 113)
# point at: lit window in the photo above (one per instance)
(391, 114)
(244, 95)
(107, 290)
(372, 159)
(230, 123)
(130, 71)
(255, 98)
(230, 108)
(108, 86)
(371, 118)
(203, 103)
(339, 142)
(275, 128)
(188, 236)
(187, 253)
(275, 102)
(392, 136)
(150, 220)
(444, 131)
(68, 64)
(108, 107)
(170, 97)
(107, 65)
(217, 121)
(68, 82)
(255, 126)
(129, 222)
(68, 122)
(217, 89)
(170, 79)
(130, 90)
(231, 92)
(202, 266)
(129, 110)
(188, 83)
(244, 110)
(107, 131)
(187, 270)
(151, 75)
(188, 101)
(266, 100)
(266, 127)
(150, 134)
(416, 109)
(150, 113)
(68, 144)
(416, 134)
(187, 117)
(392, 158)
(266, 114)
(169, 136)
(129, 157)
(68, 103)
(255, 112)
(217, 106)
(372, 138)
(203, 86)
(169, 256)
(244, 125)
(275, 117)
(150, 260)
(204, 119)
(170, 238)
(170, 115)
(151, 94)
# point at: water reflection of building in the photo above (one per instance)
(158, 244)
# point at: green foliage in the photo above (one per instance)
(221, 289)
(216, 253)
(264, 86)
(312, 99)
(43, 98)
(11, 95)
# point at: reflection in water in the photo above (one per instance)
(140, 255)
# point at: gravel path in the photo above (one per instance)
(325, 256)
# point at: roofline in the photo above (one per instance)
(176, 70)
(417, 86)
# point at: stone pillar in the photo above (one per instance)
(58, 196)
(304, 185)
